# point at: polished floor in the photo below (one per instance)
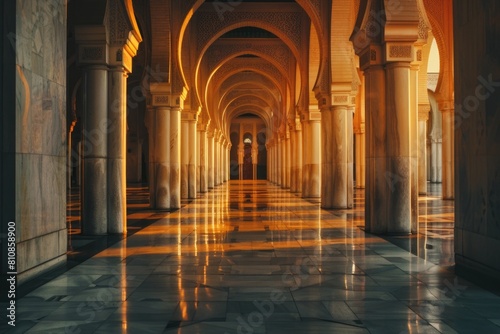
(249, 257)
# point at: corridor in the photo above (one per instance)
(250, 257)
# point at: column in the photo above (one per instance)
(299, 154)
(270, 158)
(175, 157)
(117, 151)
(217, 159)
(376, 181)
(241, 154)
(185, 155)
(211, 162)
(94, 136)
(223, 160)
(287, 159)
(423, 116)
(255, 151)
(350, 156)
(160, 176)
(312, 157)
(228, 160)
(203, 161)
(283, 161)
(359, 133)
(399, 145)
(269, 162)
(436, 162)
(279, 157)
(151, 127)
(447, 150)
(414, 145)
(293, 157)
(335, 122)
(193, 156)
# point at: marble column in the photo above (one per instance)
(281, 157)
(448, 175)
(312, 158)
(414, 144)
(287, 160)
(211, 162)
(436, 162)
(117, 151)
(175, 157)
(217, 159)
(94, 214)
(225, 161)
(359, 133)
(423, 116)
(335, 121)
(255, 151)
(293, 159)
(149, 122)
(240, 160)
(161, 158)
(271, 165)
(399, 145)
(269, 162)
(299, 155)
(306, 151)
(350, 156)
(193, 157)
(376, 181)
(203, 161)
(185, 155)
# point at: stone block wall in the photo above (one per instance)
(477, 135)
(34, 135)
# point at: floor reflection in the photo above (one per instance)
(249, 257)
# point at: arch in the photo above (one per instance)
(235, 55)
(226, 76)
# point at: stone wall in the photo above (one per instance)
(477, 135)
(34, 123)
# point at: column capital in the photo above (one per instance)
(92, 45)
(323, 97)
(400, 52)
(311, 116)
(161, 93)
(203, 126)
(189, 116)
(370, 56)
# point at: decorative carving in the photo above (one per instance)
(373, 55)
(119, 26)
(161, 100)
(423, 30)
(419, 55)
(400, 51)
(92, 53)
(364, 59)
(340, 99)
(280, 23)
(432, 80)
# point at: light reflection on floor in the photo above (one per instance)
(250, 257)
